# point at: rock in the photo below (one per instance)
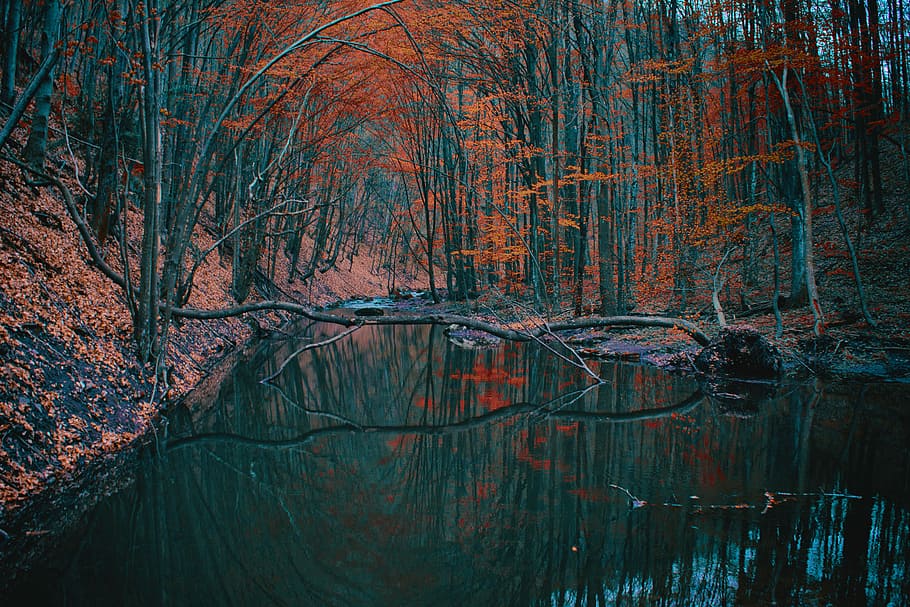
(369, 311)
(740, 352)
(473, 339)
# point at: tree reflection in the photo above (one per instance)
(392, 468)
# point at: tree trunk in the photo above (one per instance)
(146, 324)
(19, 108)
(103, 210)
(805, 210)
(11, 30)
(36, 147)
(605, 252)
(825, 159)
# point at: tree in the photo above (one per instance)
(36, 146)
(12, 20)
(600, 155)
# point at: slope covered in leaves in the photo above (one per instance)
(69, 387)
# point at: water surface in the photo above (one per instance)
(394, 468)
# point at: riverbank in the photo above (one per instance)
(844, 352)
(74, 401)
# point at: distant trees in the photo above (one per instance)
(642, 140)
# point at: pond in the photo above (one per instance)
(393, 468)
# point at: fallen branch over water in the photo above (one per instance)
(523, 334)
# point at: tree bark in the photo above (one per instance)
(36, 147)
(11, 52)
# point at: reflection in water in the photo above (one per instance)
(392, 468)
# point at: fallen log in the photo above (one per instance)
(505, 332)
(544, 411)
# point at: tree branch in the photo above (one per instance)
(303, 349)
(454, 319)
(74, 214)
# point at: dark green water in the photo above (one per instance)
(393, 468)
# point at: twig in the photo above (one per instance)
(799, 360)
(69, 148)
(846, 496)
(575, 397)
(636, 503)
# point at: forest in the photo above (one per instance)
(177, 178)
(582, 154)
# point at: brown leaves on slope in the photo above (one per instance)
(69, 388)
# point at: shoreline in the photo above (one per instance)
(71, 389)
(52, 499)
(40, 522)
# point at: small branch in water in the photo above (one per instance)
(772, 499)
(636, 503)
(303, 349)
(846, 496)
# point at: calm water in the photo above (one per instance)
(392, 468)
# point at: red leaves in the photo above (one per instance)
(492, 400)
(492, 374)
(424, 402)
